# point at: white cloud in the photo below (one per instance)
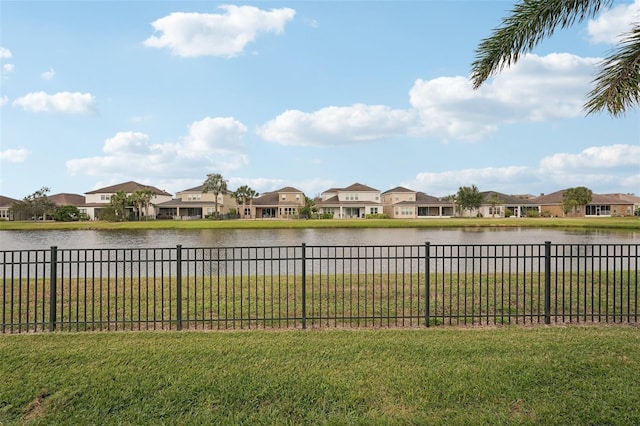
(611, 157)
(490, 178)
(537, 88)
(8, 67)
(4, 100)
(63, 102)
(14, 155)
(338, 125)
(608, 27)
(5, 53)
(48, 75)
(225, 34)
(596, 166)
(211, 144)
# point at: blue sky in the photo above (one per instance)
(310, 94)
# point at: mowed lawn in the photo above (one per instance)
(487, 375)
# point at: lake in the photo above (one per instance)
(83, 239)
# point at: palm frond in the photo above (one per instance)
(529, 23)
(617, 85)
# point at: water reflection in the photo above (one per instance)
(23, 240)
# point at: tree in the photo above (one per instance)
(574, 197)
(119, 202)
(215, 184)
(494, 200)
(309, 210)
(244, 194)
(468, 198)
(66, 214)
(140, 199)
(36, 205)
(617, 83)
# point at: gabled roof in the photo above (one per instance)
(625, 197)
(128, 187)
(422, 198)
(6, 201)
(398, 189)
(506, 199)
(556, 198)
(359, 187)
(273, 198)
(64, 199)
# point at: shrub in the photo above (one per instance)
(377, 216)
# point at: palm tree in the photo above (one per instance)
(119, 201)
(617, 84)
(215, 184)
(494, 200)
(145, 196)
(244, 194)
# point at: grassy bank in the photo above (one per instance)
(612, 223)
(514, 375)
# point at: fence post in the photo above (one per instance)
(427, 284)
(179, 287)
(304, 286)
(53, 290)
(547, 282)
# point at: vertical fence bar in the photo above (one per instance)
(304, 285)
(547, 282)
(53, 278)
(427, 283)
(179, 287)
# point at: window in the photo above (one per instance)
(297, 197)
(105, 197)
(289, 211)
(284, 198)
(374, 210)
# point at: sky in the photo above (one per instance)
(309, 94)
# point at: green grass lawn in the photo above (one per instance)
(503, 375)
(622, 223)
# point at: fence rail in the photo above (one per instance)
(317, 286)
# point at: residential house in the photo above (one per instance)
(354, 201)
(600, 205)
(496, 204)
(6, 212)
(630, 198)
(403, 203)
(101, 198)
(194, 204)
(281, 204)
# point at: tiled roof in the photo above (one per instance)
(556, 198)
(506, 199)
(398, 189)
(67, 199)
(422, 198)
(359, 187)
(128, 187)
(6, 201)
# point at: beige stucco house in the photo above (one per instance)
(600, 206)
(5, 208)
(281, 204)
(192, 203)
(354, 201)
(100, 198)
(404, 203)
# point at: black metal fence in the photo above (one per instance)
(317, 286)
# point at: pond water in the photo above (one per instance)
(27, 240)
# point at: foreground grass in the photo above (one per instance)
(613, 223)
(510, 375)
